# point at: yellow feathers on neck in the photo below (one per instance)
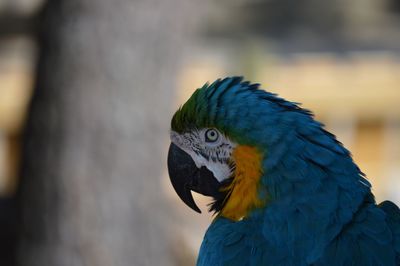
(243, 189)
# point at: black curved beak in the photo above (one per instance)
(185, 176)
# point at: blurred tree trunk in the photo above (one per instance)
(93, 148)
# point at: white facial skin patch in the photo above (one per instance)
(209, 148)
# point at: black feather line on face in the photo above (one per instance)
(219, 201)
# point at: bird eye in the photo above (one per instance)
(211, 135)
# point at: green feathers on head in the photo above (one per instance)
(217, 105)
(193, 114)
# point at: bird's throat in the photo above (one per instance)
(243, 190)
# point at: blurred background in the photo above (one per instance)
(88, 88)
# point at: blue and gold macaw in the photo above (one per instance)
(285, 191)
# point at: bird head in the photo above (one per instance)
(246, 147)
(211, 151)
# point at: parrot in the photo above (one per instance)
(284, 191)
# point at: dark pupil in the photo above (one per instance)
(211, 135)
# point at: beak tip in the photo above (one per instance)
(180, 167)
(197, 209)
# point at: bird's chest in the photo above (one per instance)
(248, 243)
(264, 240)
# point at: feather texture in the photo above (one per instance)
(320, 208)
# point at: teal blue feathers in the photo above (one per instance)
(320, 208)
